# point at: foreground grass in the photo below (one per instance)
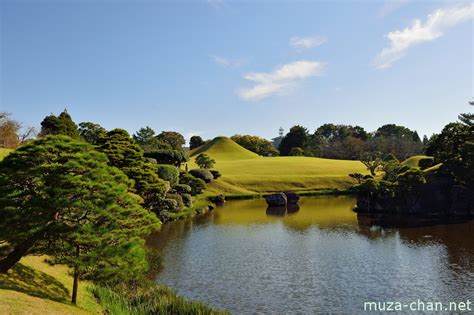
(34, 287)
(245, 173)
(146, 298)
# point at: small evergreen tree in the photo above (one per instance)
(204, 161)
(172, 138)
(298, 137)
(59, 125)
(91, 132)
(195, 142)
(467, 118)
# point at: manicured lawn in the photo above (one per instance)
(244, 172)
(34, 287)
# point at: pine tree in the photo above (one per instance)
(60, 197)
(126, 155)
(195, 142)
(467, 118)
(59, 125)
(91, 132)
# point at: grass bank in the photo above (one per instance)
(34, 287)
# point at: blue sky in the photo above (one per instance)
(225, 67)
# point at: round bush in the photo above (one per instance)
(296, 151)
(168, 172)
(205, 175)
(187, 200)
(197, 185)
(177, 201)
(182, 189)
(216, 174)
(151, 160)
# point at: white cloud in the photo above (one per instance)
(391, 6)
(301, 43)
(433, 28)
(226, 62)
(281, 80)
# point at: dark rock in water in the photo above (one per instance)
(292, 208)
(276, 200)
(291, 197)
(277, 211)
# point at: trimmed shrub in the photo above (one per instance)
(173, 157)
(178, 200)
(168, 172)
(151, 160)
(187, 200)
(182, 189)
(297, 151)
(197, 185)
(216, 174)
(203, 174)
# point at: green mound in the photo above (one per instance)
(223, 148)
(244, 172)
(414, 161)
(4, 152)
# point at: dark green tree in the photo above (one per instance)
(172, 157)
(60, 197)
(148, 141)
(144, 135)
(296, 151)
(204, 161)
(59, 125)
(467, 118)
(126, 155)
(256, 144)
(174, 139)
(91, 132)
(297, 137)
(195, 142)
(372, 162)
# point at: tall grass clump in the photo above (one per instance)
(146, 298)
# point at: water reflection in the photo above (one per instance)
(320, 257)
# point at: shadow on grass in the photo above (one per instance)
(35, 283)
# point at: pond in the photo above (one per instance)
(318, 258)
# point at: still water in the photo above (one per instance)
(318, 258)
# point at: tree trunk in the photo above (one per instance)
(75, 283)
(18, 252)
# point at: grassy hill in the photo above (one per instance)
(224, 149)
(34, 287)
(244, 172)
(414, 161)
(4, 152)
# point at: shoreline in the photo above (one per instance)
(301, 193)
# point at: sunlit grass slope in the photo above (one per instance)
(414, 161)
(34, 287)
(4, 152)
(224, 149)
(244, 172)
